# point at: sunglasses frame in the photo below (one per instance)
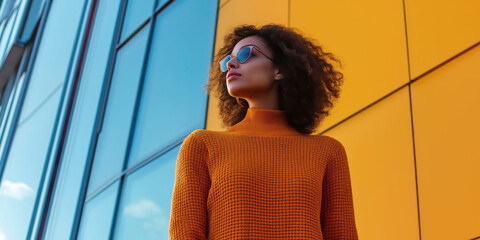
(250, 54)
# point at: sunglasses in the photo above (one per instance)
(242, 56)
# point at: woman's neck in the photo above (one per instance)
(260, 121)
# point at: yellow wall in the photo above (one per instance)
(409, 110)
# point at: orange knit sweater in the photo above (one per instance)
(261, 179)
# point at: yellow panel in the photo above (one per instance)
(379, 148)
(236, 12)
(446, 125)
(222, 2)
(369, 36)
(437, 30)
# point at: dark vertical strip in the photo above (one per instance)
(8, 93)
(98, 121)
(411, 120)
(134, 118)
(66, 122)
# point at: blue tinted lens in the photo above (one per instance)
(243, 54)
(223, 63)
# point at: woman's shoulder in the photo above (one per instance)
(209, 133)
(330, 141)
(202, 134)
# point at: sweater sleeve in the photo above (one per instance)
(337, 214)
(188, 217)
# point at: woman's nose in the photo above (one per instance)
(232, 63)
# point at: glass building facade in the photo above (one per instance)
(96, 99)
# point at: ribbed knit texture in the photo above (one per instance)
(261, 179)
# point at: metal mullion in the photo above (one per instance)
(161, 8)
(104, 186)
(133, 34)
(98, 120)
(156, 11)
(133, 123)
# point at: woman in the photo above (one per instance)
(266, 176)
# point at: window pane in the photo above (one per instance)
(112, 142)
(97, 215)
(23, 170)
(173, 102)
(137, 13)
(146, 201)
(83, 120)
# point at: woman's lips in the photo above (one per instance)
(232, 77)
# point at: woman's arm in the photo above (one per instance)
(188, 218)
(337, 214)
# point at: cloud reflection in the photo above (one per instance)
(142, 209)
(17, 190)
(152, 218)
(2, 235)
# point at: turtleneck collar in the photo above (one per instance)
(260, 121)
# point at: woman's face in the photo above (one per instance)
(257, 74)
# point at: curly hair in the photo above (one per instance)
(309, 86)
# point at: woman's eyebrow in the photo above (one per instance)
(248, 45)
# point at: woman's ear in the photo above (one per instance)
(278, 75)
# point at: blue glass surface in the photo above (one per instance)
(137, 13)
(98, 215)
(82, 124)
(112, 141)
(23, 170)
(161, 3)
(144, 212)
(173, 102)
